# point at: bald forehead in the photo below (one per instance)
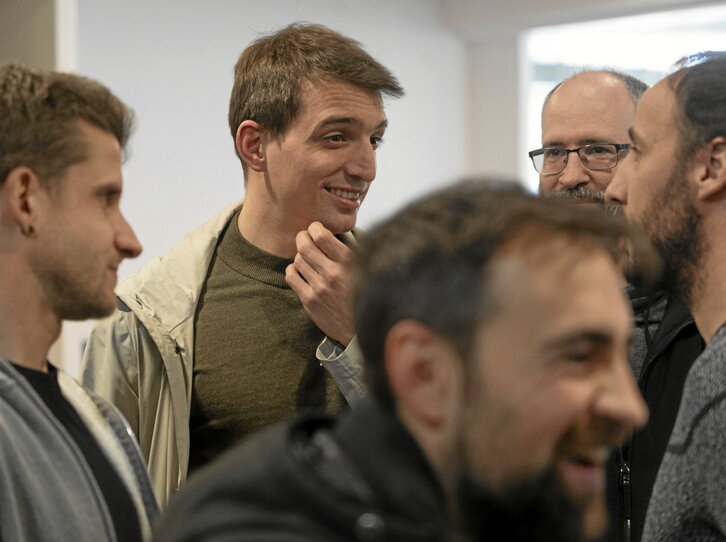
(590, 84)
(589, 107)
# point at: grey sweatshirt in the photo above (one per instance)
(689, 496)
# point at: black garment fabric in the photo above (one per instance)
(632, 470)
(360, 477)
(119, 503)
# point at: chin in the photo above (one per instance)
(86, 309)
(339, 226)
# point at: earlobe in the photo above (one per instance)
(248, 142)
(19, 194)
(420, 368)
(712, 177)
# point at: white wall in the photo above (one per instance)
(494, 119)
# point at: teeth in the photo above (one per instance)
(353, 196)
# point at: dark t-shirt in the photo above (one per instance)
(254, 351)
(118, 500)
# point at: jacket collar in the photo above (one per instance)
(165, 292)
(389, 458)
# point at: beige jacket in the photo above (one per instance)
(141, 357)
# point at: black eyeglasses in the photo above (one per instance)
(598, 156)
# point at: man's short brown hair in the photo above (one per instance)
(269, 73)
(38, 115)
(429, 261)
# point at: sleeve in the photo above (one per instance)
(345, 366)
(110, 365)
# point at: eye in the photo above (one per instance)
(600, 150)
(335, 138)
(580, 352)
(109, 197)
(552, 153)
(376, 141)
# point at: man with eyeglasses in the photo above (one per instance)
(596, 158)
(588, 115)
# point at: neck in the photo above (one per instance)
(261, 223)
(261, 230)
(709, 303)
(439, 453)
(27, 327)
(709, 299)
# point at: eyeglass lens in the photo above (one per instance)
(597, 157)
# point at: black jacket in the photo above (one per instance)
(359, 477)
(631, 472)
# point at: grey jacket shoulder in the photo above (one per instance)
(42, 469)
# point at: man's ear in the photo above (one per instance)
(248, 142)
(422, 368)
(711, 179)
(19, 195)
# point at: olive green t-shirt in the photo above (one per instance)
(254, 350)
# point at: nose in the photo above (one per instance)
(126, 241)
(620, 400)
(362, 164)
(617, 191)
(575, 173)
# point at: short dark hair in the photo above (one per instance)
(428, 261)
(269, 73)
(699, 85)
(38, 115)
(635, 87)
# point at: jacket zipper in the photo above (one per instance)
(624, 476)
(624, 485)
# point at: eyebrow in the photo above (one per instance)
(581, 143)
(110, 185)
(349, 120)
(600, 338)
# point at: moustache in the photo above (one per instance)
(591, 196)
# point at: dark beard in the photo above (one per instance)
(679, 251)
(71, 300)
(534, 511)
(592, 196)
(674, 226)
